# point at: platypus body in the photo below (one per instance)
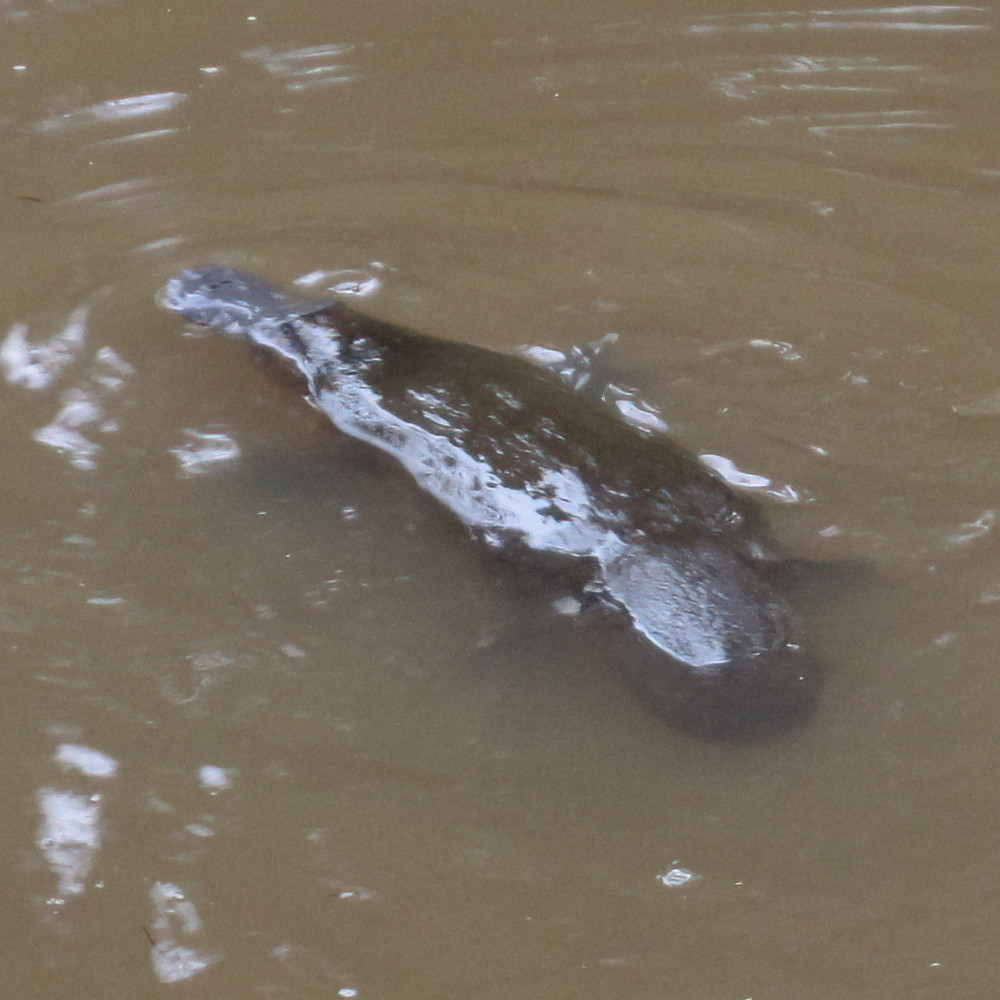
(530, 465)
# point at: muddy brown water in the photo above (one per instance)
(270, 728)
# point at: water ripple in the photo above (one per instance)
(174, 920)
(116, 109)
(943, 17)
(35, 366)
(16, 10)
(83, 405)
(311, 67)
(886, 87)
(204, 450)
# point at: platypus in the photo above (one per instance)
(628, 518)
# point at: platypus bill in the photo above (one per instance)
(529, 465)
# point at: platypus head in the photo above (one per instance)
(230, 300)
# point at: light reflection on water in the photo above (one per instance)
(69, 837)
(115, 110)
(204, 450)
(175, 919)
(85, 406)
(311, 67)
(35, 366)
(904, 18)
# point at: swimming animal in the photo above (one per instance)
(628, 519)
